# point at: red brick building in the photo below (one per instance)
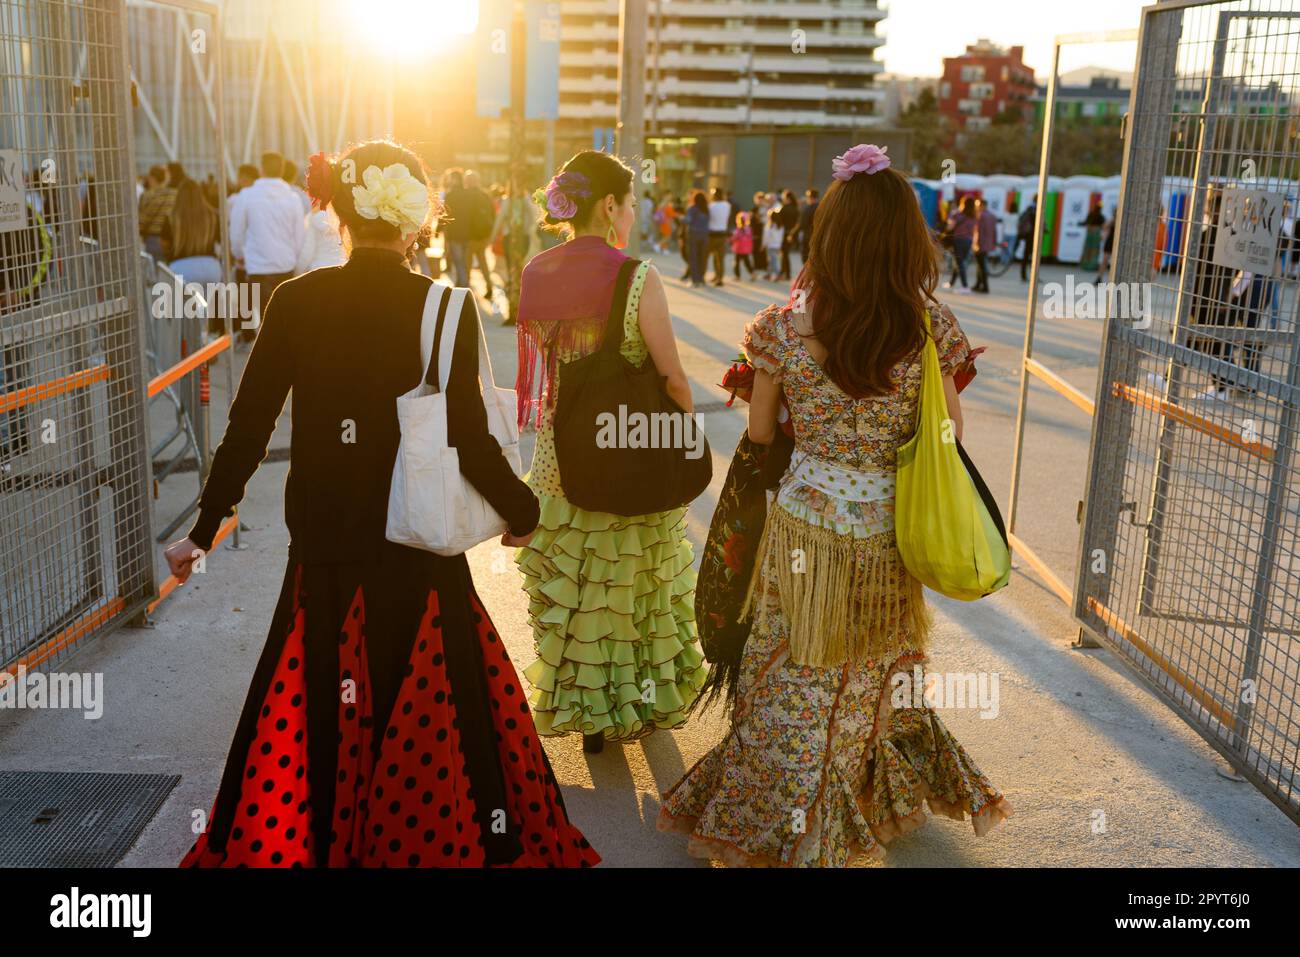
(983, 82)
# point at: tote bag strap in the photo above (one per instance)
(447, 337)
(486, 378)
(433, 305)
(614, 324)
(931, 380)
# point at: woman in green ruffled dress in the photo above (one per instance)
(610, 597)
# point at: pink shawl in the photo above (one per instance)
(564, 301)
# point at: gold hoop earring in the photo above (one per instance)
(611, 236)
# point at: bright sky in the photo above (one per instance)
(920, 33)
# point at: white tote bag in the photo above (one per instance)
(430, 504)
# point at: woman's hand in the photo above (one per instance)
(181, 557)
(517, 541)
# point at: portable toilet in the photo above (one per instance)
(1110, 190)
(1000, 193)
(1174, 195)
(1078, 195)
(927, 195)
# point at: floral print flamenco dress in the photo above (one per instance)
(817, 767)
(610, 597)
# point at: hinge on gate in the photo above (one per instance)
(1123, 127)
(1131, 509)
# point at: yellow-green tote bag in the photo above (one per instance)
(949, 529)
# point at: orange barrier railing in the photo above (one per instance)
(188, 365)
(77, 630)
(1154, 403)
(1199, 694)
(68, 383)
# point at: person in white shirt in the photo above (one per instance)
(290, 176)
(322, 245)
(773, 240)
(267, 231)
(719, 230)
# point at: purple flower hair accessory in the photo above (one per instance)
(863, 158)
(563, 193)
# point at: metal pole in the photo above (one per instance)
(227, 267)
(1207, 151)
(654, 94)
(518, 151)
(631, 93)
(1031, 310)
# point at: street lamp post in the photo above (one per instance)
(518, 156)
(632, 23)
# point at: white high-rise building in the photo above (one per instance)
(717, 64)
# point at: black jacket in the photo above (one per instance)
(788, 217)
(468, 215)
(346, 340)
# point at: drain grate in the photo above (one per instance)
(73, 819)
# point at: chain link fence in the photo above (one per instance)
(74, 468)
(1190, 561)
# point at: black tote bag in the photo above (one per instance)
(622, 444)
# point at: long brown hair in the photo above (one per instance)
(194, 222)
(871, 272)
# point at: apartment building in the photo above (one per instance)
(714, 64)
(984, 81)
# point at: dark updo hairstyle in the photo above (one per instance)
(591, 177)
(326, 185)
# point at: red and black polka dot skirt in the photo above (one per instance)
(386, 727)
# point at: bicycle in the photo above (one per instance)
(1001, 258)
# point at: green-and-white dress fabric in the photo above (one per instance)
(611, 601)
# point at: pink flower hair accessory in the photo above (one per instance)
(863, 158)
(563, 192)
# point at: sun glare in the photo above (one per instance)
(412, 28)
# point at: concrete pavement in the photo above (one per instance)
(1099, 771)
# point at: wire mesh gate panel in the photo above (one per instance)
(1190, 562)
(74, 515)
(174, 54)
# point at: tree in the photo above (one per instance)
(1087, 147)
(931, 133)
(1007, 146)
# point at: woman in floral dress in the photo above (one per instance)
(818, 766)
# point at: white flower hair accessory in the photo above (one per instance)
(393, 195)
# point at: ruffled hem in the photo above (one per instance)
(918, 764)
(611, 602)
(716, 849)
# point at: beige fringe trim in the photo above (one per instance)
(851, 599)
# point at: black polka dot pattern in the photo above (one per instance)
(408, 803)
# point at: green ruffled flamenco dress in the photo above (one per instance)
(611, 599)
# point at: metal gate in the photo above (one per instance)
(74, 512)
(1190, 562)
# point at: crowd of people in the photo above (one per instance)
(707, 225)
(432, 757)
(275, 233)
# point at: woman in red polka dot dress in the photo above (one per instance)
(385, 725)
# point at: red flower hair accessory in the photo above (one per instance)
(320, 180)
